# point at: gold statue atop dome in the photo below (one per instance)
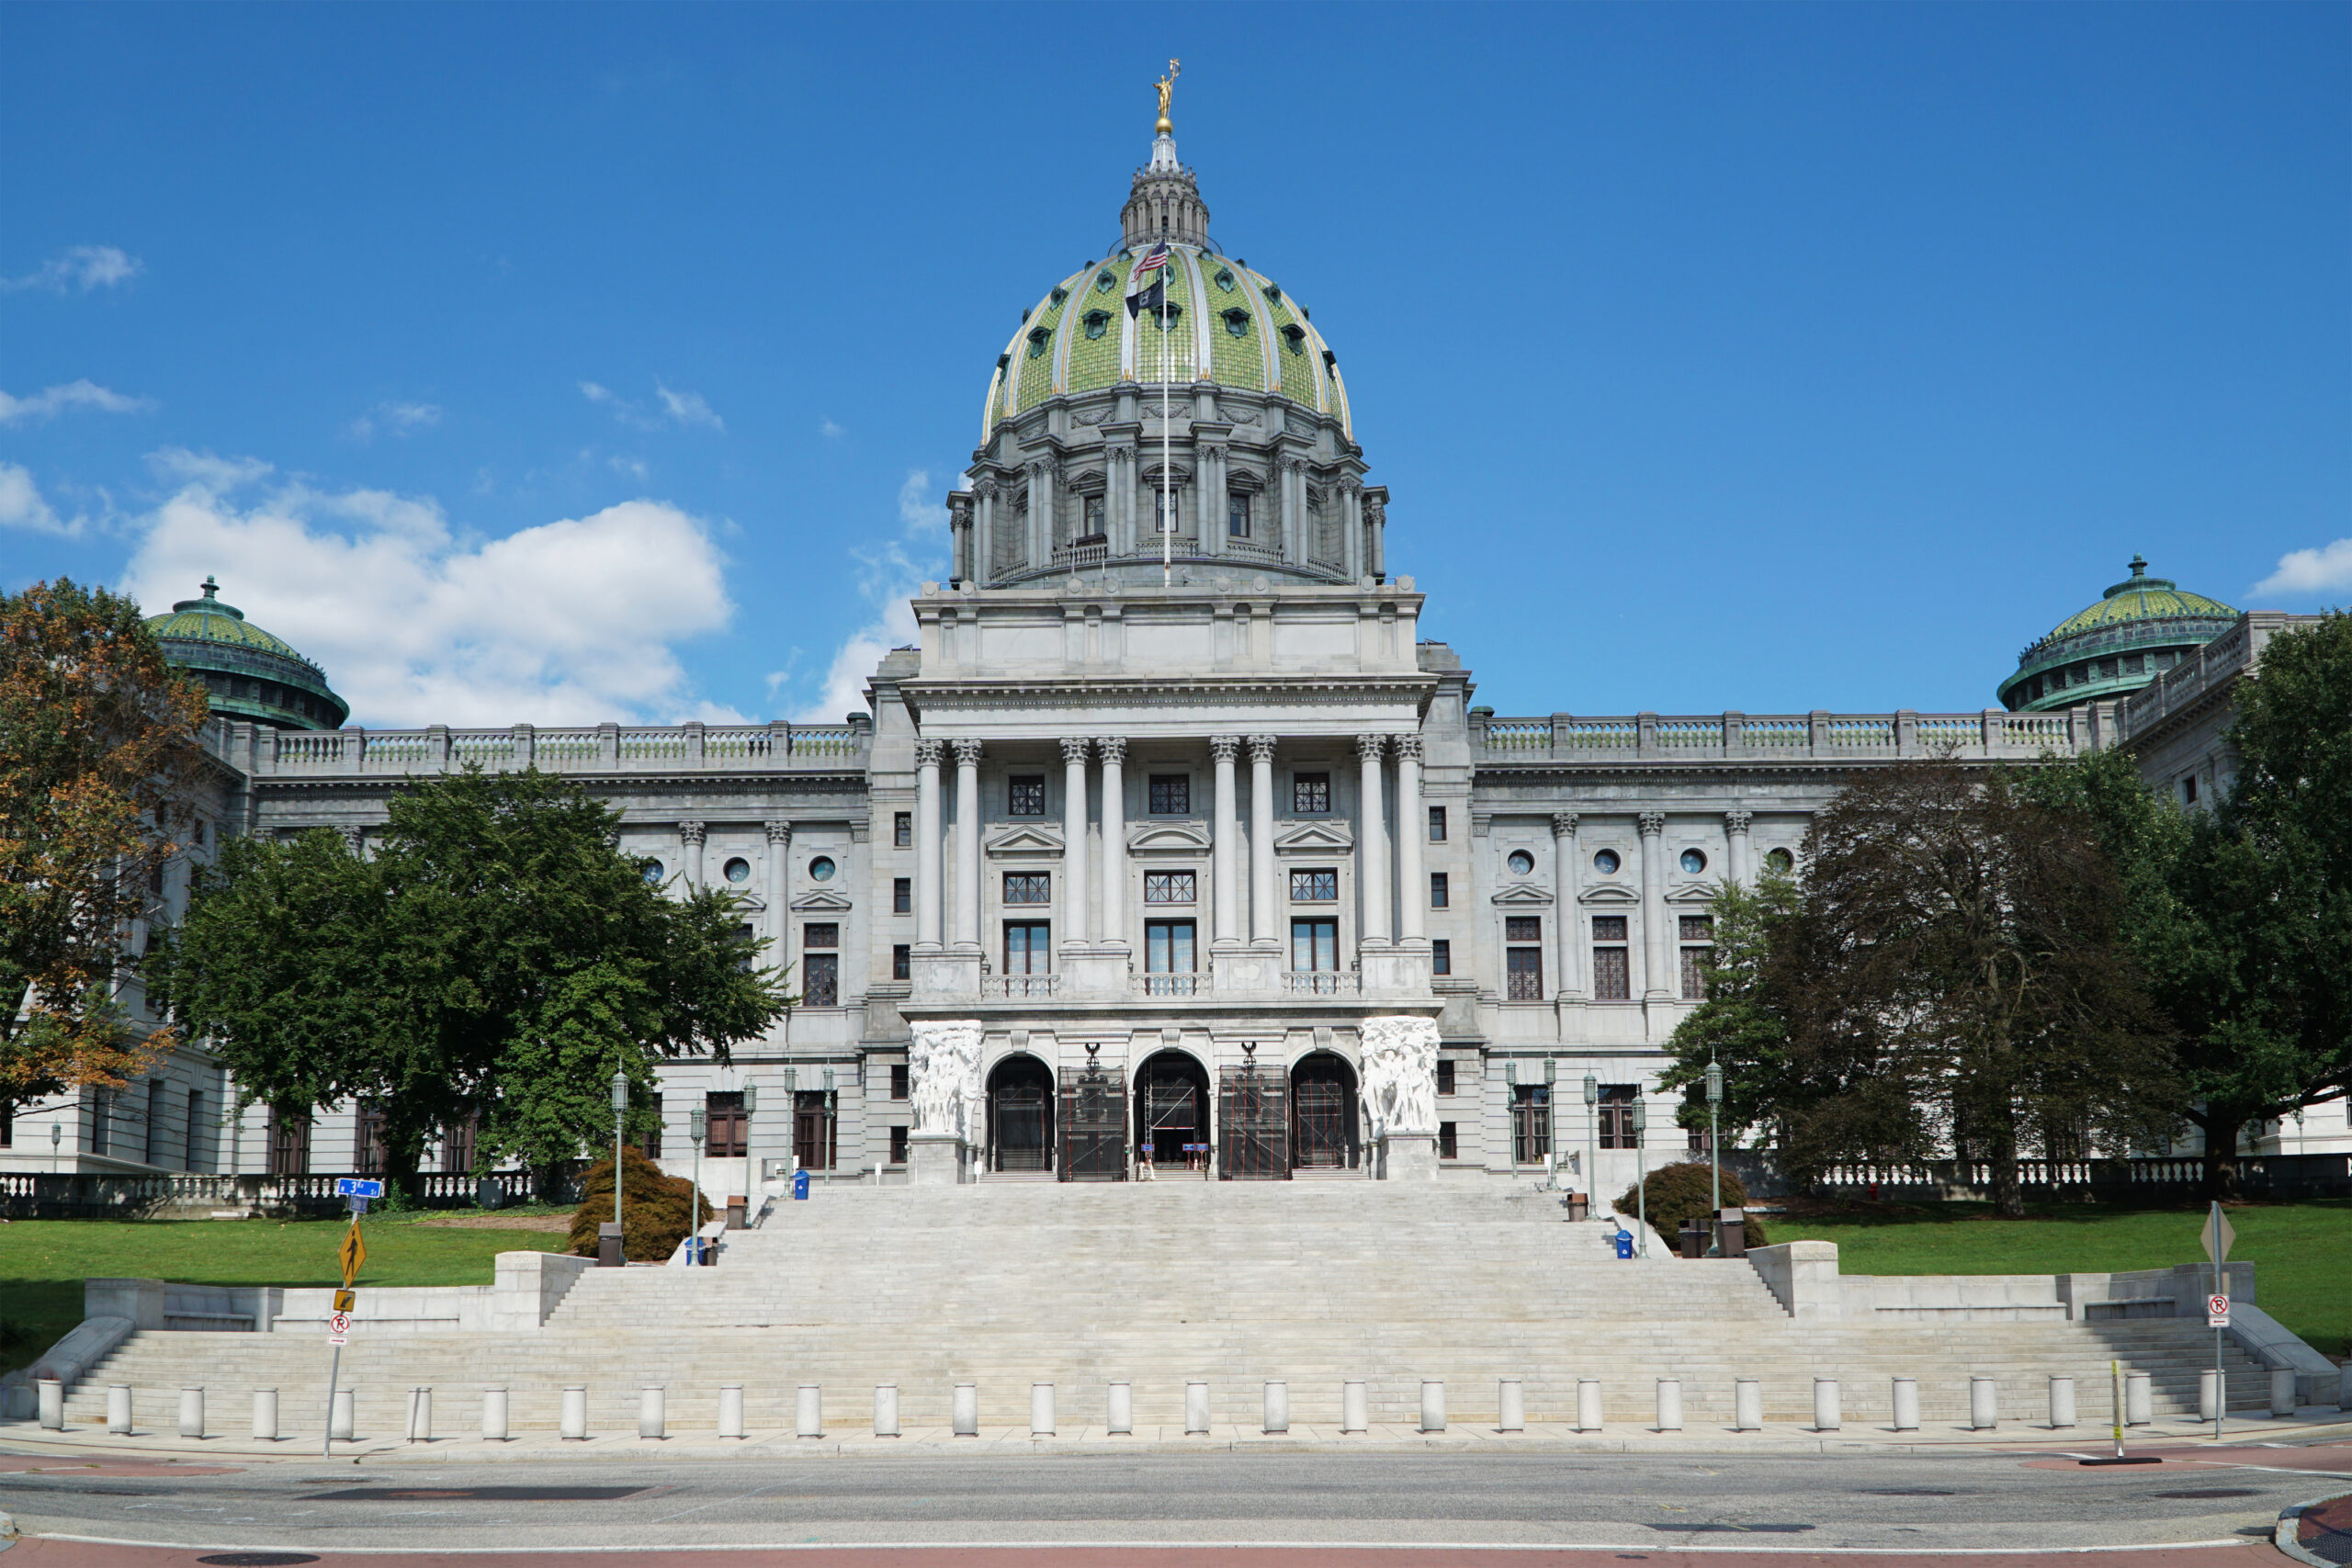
(1167, 85)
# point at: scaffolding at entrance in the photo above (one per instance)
(1253, 1128)
(1094, 1122)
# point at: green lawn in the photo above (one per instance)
(2302, 1252)
(43, 1262)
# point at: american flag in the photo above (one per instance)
(1153, 260)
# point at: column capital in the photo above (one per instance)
(1409, 745)
(779, 832)
(967, 754)
(1652, 824)
(691, 833)
(930, 752)
(1224, 748)
(1113, 748)
(1738, 821)
(1370, 746)
(1074, 749)
(1261, 749)
(1563, 824)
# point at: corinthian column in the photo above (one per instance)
(779, 890)
(1735, 831)
(1262, 931)
(968, 845)
(1372, 841)
(1074, 928)
(1114, 840)
(1567, 875)
(1227, 929)
(690, 840)
(930, 868)
(1656, 953)
(1412, 827)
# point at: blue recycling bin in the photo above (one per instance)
(1624, 1244)
(800, 1184)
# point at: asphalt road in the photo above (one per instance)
(1956, 1501)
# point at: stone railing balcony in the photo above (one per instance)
(604, 748)
(1014, 987)
(1975, 737)
(1322, 982)
(1170, 985)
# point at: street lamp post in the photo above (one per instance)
(1715, 1140)
(56, 1136)
(1591, 1142)
(1642, 1170)
(620, 1113)
(1551, 1126)
(1510, 1085)
(792, 1094)
(831, 1135)
(697, 1123)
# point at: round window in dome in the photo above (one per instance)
(1782, 862)
(1693, 862)
(738, 869)
(1522, 863)
(1225, 278)
(1606, 862)
(1104, 281)
(1236, 321)
(651, 869)
(822, 869)
(1097, 322)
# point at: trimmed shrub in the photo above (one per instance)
(655, 1209)
(1681, 1191)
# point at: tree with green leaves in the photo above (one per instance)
(1740, 1024)
(496, 960)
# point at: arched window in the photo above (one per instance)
(1039, 341)
(1236, 321)
(1294, 336)
(1097, 322)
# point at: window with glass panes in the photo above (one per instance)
(1315, 944)
(1237, 514)
(1093, 512)
(901, 1080)
(902, 830)
(1445, 1071)
(1616, 1110)
(1024, 794)
(1437, 890)
(1612, 974)
(902, 962)
(650, 1145)
(1441, 957)
(1310, 794)
(821, 964)
(1437, 824)
(1159, 502)
(1026, 947)
(725, 1125)
(1315, 886)
(1531, 1123)
(1170, 886)
(1523, 961)
(1698, 930)
(1167, 947)
(1171, 795)
(1449, 1143)
(1028, 888)
(898, 1145)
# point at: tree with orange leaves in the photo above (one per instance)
(99, 762)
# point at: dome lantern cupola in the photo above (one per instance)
(247, 673)
(2140, 627)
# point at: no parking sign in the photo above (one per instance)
(2217, 1311)
(338, 1328)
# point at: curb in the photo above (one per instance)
(2290, 1525)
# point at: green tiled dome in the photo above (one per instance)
(2139, 628)
(247, 673)
(2139, 597)
(1229, 324)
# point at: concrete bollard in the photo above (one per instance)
(574, 1428)
(2062, 1402)
(1906, 1404)
(1277, 1407)
(1355, 1408)
(265, 1416)
(731, 1410)
(1587, 1404)
(1041, 1410)
(2209, 1394)
(652, 1410)
(885, 1410)
(493, 1415)
(192, 1411)
(118, 1410)
(52, 1404)
(2282, 1392)
(1669, 1404)
(2344, 1387)
(420, 1415)
(809, 1418)
(343, 1420)
(1746, 1406)
(1826, 1413)
(1982, 1401)
(1196, 1408)
(965, 1413)
(1432, 1404)
(1511, 1405)
(2139, 1400)
(1119, 1419)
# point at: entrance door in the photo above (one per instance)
(1171, 1113)
(1323, 1113)
(1094, 1124)
(1020, 1096)
(813, 1129)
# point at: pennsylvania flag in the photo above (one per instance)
(1147, 284)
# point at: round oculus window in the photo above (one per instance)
(651, 870)
(1605, 862)
(1780, 861)
(1693, 862)
(822, 869)
(738, 869)
(1522, 863)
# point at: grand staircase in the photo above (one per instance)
(1004, 1284)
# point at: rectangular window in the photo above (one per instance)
(1524, 973)
(289, 1144)
(1437, 824)
(651, 1148)
(820, 979)
(726, 1127)
(8, 1125)
(1441, 957)
(2188, 790)
(194, 1150)
(1237, 514)
(1315, 944)
(1026, 947)
(1170, 886)
(1448, 1146)
(1523, 927)
(1617, 1115)
(747, 947)
(898, 1145)
(820, 933)
(1159, 499)
(1310, 794)
(1315, 886)
(1531, 1123)
(899, 1086)
(1611, 971)
(1171, 795)
(1445, 1075)
(1697, 928)
(902, 830)
(1167, 947)
(902, 895)
(154, 1151)
(902, 962)
(1024, 794)
(1694, 979)
(816, 1131)
(1437, 890)
(1028, 888)
(1092, 512)
(369, 1155)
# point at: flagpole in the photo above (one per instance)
(1167, 473)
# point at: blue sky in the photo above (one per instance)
(563, 363)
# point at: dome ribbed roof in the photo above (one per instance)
(2139, 628)
(247, 673)
(2139, 597)
(208, 620)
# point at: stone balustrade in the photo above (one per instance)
(1766, 738)
(607, 748)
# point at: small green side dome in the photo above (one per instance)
(2139, 628)
(247, 673)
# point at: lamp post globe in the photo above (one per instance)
(620, 1112)
(697, 1126)
(1714, 1139)
(1641, 1120)
(1591, 1142)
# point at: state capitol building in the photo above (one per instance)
(1172, 840)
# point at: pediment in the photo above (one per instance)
(750, 902)
(1609, 893)
(824, 900)
(1314, 838)
(1524, 895)
(1691, 893)
(1025, 840)
(1191, 838)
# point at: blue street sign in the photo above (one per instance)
(358, 1187)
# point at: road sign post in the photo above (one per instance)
(2217, 1235)
(350, 1255)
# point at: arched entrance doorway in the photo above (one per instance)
(1173, 1111)
(1021, 1115)
(1323, 1134)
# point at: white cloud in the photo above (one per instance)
(890, 576)
(23, 506)
(79, 269)
(569, 622)
(916, 509)
(635, 468)
(688, 408)
(2323, 570)
(53, 401)
(679, 410)
(394, 418)
(831, 430)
